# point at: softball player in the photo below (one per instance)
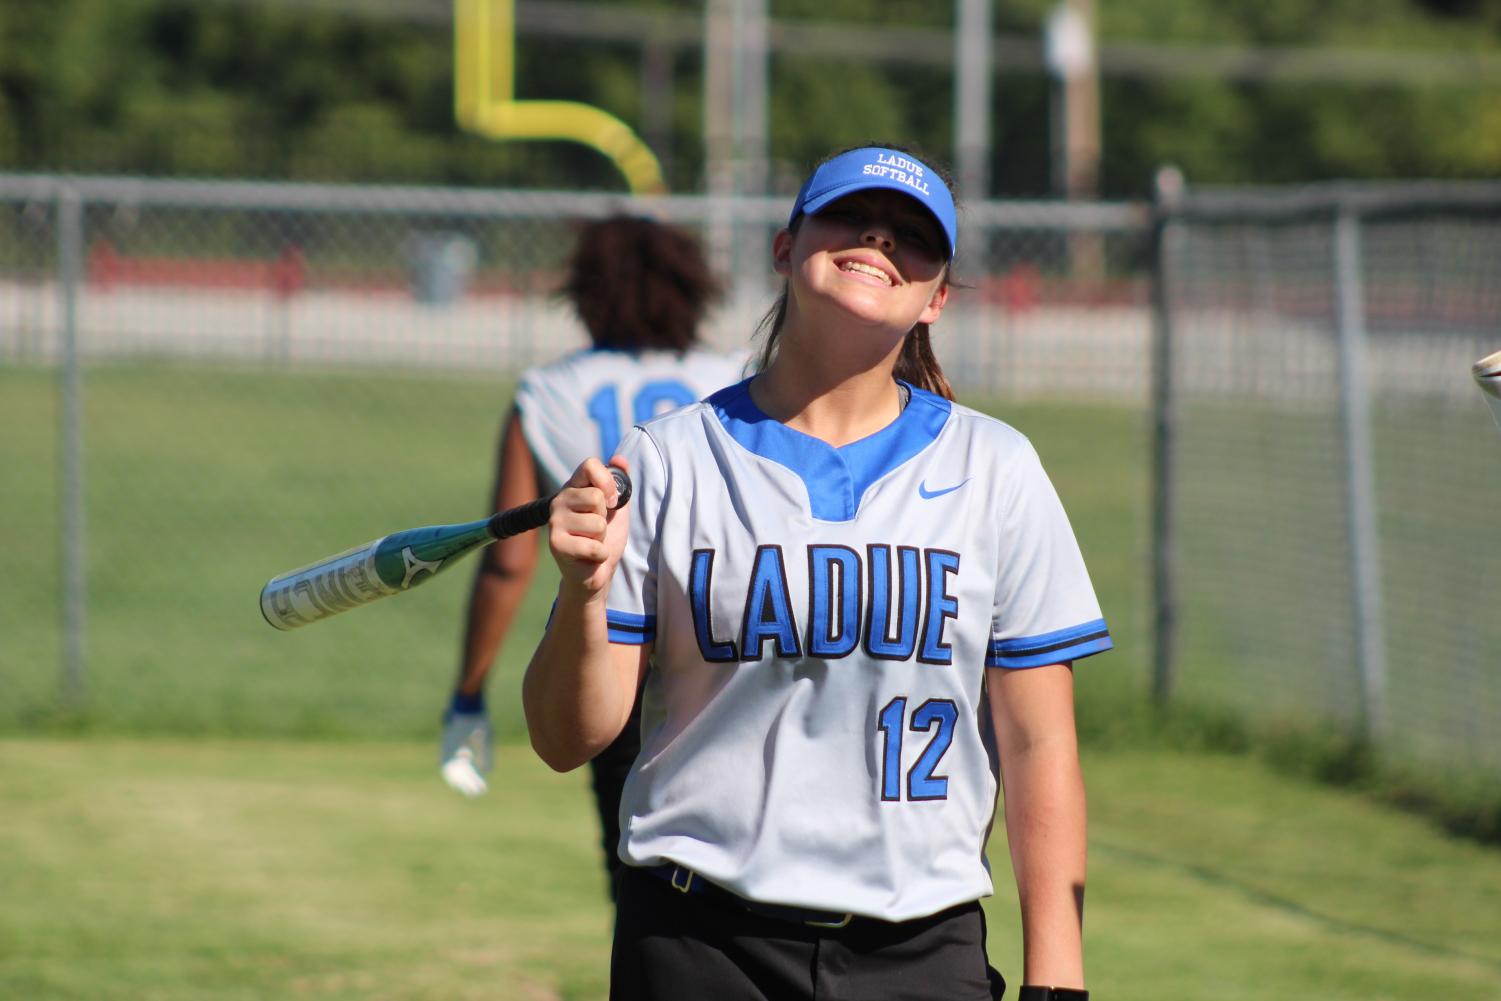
(855, 605)
(641, 289)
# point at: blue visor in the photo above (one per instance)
(874, 167)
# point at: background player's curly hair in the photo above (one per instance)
(638, 284)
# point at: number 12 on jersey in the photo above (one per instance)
(934, 714)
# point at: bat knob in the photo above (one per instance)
(622, 487)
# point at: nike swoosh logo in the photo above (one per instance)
(926, 494)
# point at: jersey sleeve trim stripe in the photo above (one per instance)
(625, 627)
(1049, 648)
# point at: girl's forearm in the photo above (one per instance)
(1046, 827)
(573, 690)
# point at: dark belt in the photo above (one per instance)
(685, 880)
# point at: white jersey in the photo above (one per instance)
(814, 731)
(578, 406)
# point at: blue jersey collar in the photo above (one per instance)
(836, 478)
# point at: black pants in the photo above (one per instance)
(609, 769)
(672, 946)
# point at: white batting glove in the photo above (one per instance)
(467, 750)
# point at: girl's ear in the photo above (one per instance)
(781, 253)
(935, 304)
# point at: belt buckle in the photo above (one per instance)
(843, 921)
(687, 883)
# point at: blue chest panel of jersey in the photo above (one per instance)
(836, 478)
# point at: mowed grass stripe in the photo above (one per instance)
(1212, 876)
(225, 870)
(219, 869)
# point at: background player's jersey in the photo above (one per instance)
(814, 731)
(579, 405)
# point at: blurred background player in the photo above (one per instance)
(642, 290)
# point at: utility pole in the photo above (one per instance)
(1069, 47)
(1070, 53)
(972, 83)
(735, 160)
(751, 249)
(656, 101)
(972, 97)
(719, 130)
(751, 82)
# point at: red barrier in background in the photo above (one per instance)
(284, 275)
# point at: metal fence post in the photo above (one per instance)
(70, 446)
(1360, 483)
(1167, 195)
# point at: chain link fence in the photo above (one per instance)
(202, 384)
(205, 384)
(1327, 477)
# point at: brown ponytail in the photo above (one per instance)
(770, 329)
(918, 365)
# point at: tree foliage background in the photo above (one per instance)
(286, 90)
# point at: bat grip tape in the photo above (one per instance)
(534, 514)
(521, 519)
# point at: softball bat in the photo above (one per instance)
(396, 563)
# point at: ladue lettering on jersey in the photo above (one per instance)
(892, 602)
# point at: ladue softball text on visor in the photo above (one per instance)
(874, 167)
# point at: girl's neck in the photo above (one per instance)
(812, 394)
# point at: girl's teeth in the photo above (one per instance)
(866, 269)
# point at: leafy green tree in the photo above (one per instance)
(273, 89)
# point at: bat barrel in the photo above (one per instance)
(325, 588)
(394, 563)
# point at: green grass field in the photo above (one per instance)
(201, 870)
(202, 484)
(237, 813)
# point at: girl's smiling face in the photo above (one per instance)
(877, 253)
